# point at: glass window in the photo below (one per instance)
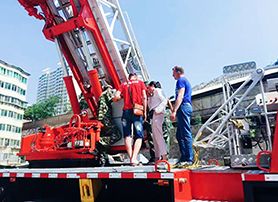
(9, 127)
(16, 75)
(4, 112)
(8, 86)
(13, 129)
(14, 87)
(5, 71)
(2, 126)
(10, 114)
(8, 72)
(7, 142)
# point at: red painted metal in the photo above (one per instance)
(96, 89)
(72, 94)
(258, 160)
(52, 173)
(73, 141)
(82, 19)
(29, 7)
(217, 185)
(182, 186)
(256, 177)
(117, 149)
(59, 155)
(274, 153)
(86, 19)
(78, 77)
(50, 144)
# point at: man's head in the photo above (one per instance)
(177, 72)
(132, 76)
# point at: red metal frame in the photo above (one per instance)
(47, 141)
(273, 154)
(182, 186)
(60, 142)
(217, 185)
(96, 90)
(83, 19)
(72, 94)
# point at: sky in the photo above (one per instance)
(200, 35)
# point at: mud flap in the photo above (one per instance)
(89, 189)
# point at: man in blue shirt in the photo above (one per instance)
(182, 112)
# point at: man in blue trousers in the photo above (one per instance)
(182, 113)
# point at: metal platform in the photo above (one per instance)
(116, 172)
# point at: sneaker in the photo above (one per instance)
(183, 164)
(151, 163)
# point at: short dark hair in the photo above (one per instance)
(158, 84)
(178, 69)
(152, 83)
(131, 75)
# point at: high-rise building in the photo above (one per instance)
(51, 83)
(13, 86)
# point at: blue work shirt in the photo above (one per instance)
(184, 83)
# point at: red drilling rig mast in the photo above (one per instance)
(94, 41)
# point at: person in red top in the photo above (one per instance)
(133, 92)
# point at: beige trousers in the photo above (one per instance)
(158, 140)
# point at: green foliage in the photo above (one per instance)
(41, 110)
(198, 120)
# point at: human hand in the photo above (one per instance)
(173, 116)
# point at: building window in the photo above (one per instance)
(2, 126)
(9, 128)
(7, 142)
(10, 114)
(4, 112)
(2, 70)
(13, 74)
(9, 72)
(16, 75)
(13, 87)
(7, 99)
(8, 86)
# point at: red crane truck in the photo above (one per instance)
(85, 35)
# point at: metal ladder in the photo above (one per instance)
(125, 56)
